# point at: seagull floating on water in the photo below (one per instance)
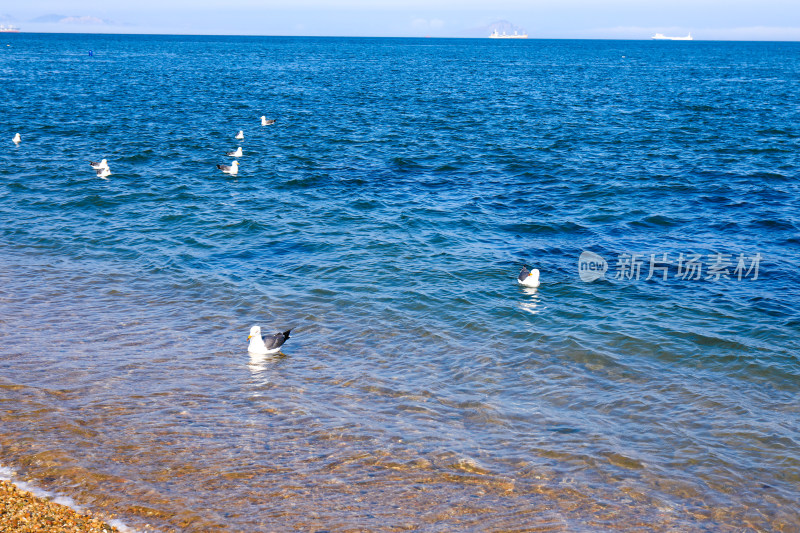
(99, 166)
(265, 122)
(103, 172)
(235, 153)
(232, 169)
(529, 278)
(16, 139)
(269, 344)
(240, 135)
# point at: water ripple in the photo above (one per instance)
(384, 217)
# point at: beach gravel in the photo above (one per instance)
(23, 512)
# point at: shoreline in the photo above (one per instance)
(23, 511)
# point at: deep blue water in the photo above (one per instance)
(385, 217)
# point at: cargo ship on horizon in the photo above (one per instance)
(662, 37)
(504, 35)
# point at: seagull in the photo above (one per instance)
(529, 278)
(103, 172)
(240, 135)
(265, 122)
(16, 139)
(232, 169)
(99, 166)
(269, 344)
(236, 153)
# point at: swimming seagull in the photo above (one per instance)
(529, 278)
(99, 166)
(103, 172)
(269, 344)
(236, 153)
(16, 139)
(240, 135)
(232, 169)
(265, 122)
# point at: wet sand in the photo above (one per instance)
(22, 512)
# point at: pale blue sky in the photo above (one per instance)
(609, 19)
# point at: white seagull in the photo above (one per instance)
(232, 169)
(529, 278)
(269, 344)
(265, 122)
(240, 135)
(16, 139)
(103, 172)
(99, 166)
(235, 153)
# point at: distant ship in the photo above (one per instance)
(662, 37)
(504, 35)
(8, 29)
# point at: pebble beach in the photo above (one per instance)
(23, 512)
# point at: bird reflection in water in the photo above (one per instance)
(261, 363)
(532, 303)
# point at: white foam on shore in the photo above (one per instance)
(7, 474)
(122, 527)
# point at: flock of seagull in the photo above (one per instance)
(104, 171)
(272, 343)
(233, 168)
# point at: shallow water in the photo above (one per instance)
(385, 217)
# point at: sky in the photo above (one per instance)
(568, 19)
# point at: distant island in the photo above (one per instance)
(63, 19)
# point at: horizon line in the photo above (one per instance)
(529, 38)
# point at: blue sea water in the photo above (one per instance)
(385, 216)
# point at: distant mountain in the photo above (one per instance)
(63, 19)
(47, 19)
(502, 26)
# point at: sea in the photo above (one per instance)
(650, 382)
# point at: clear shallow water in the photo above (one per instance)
(385, 216)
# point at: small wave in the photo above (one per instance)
(303, 182)
(93, 200)
(141, 157)
(776, 131)
(249, 225)
(536, 228)
(657, 221)
(751, 150)
(366, 205)
(701, 108)
(773, 224)
(406, 163)
(769, 176)
(17, 186)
